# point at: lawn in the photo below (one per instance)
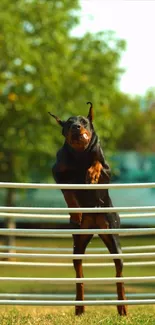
(138, 315)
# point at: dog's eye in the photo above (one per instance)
(83, 121)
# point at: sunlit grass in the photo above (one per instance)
(137, 315)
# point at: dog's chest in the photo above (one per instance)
(82, 161)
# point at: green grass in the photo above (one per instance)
(143, 315)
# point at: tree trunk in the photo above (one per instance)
(10, 196)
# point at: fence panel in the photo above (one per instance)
(12, 213)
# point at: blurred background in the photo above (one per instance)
(57, 55)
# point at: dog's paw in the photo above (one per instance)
(94, 173)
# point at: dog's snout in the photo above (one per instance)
(76, 126)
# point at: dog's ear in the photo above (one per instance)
(91, 113)
(57, 119)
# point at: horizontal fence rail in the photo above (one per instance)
(76, 186)
(79, 256)
(78, 303)
(60, 249)
(40, 232)
(46, 264)
(72, 296)
(75, 210)
(143, 279)
(66, 217)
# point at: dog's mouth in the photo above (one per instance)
(80, 140)
(78, 136)
(85, 136)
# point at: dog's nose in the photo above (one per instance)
(76, 126)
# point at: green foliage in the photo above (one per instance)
(44, 67)
(34, 46)
(149, 116)
(138, 124)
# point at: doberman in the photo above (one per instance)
(79, 161)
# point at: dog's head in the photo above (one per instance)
(77, 130)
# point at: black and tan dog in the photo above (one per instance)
(80, 161)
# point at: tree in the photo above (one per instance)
(43, 67)
(35, 39)
(132, 121)
(149, 117)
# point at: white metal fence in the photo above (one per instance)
(133, 252)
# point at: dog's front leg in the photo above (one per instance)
(97, 173)
(70, 198)
(60, 173)
(94, 173)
